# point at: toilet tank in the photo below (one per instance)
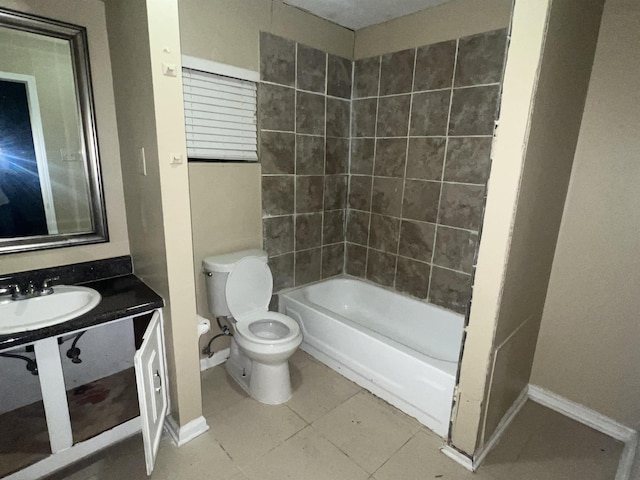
(216, 269)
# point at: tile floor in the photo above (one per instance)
(332, 429)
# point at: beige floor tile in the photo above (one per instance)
(367, 429)
(420, 459)
(200, 458)
(530, 418)
(317, 390)
(557, 448)
(306, 455)
(219, 391)
(301, 359)
(249, 429)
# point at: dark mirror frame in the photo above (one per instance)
(77, 38)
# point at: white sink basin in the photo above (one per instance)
(65, 303)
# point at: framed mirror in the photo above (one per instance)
(50, 185)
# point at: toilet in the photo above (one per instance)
(239, 287)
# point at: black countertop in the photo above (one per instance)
(122, 296)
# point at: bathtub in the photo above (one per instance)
(398, 348)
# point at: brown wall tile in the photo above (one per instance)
(473, 110)
(277, 234)
(309, 155)
(277, 152)
(277, 195)
(277, 59)
(339, 77)
(276, 107)
(480, 58)
(468, 160)
(333, 227)
(393, 116)
(434, 66)
(429, 113)
(412, 277)
(356, 260)
(461, 205)
(332, 260)
(421, 200)
(308, 266)
(387, 196)
(396, 74)
(358, 227)
(312, 69)
(381, 267)
(426, 158)
(282, 271)
(309, 191)
(362, 153)
(310, 113)
(308, 231)
(449, 289)
(390, 158)
(366, 74)
(384, 233)
(337, 156)
(360, 192)
(416, 240)
(455, 248)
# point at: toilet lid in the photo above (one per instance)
(249, 287)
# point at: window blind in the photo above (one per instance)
(220, 116)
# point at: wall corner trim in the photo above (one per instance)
(595, 420)
(458, 457)
(181, 435)
(504, 424)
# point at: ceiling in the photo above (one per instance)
(356, 14)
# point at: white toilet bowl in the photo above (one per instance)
(268, 339)
(262, 341)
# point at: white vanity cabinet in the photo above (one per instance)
(68, 441)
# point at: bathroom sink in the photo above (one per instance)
(65, 303)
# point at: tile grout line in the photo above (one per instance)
(444, 164)
(373, 167)
(463, 87)
(349, 175)
(295, 156)
(324, 163)
(406, 161)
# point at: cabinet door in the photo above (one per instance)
(152, 390)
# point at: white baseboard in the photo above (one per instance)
(457, 457)
(218, 358)
(181, 435)
(502, 427)
(592, 419)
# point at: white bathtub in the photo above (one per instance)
(400, 349)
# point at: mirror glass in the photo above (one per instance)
(50, 188)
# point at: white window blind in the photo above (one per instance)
(220, 116)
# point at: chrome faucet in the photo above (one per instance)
(47, 289)
(31, 291)
(13, 290)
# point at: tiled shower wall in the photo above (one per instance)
(422, 125)
(304, 114)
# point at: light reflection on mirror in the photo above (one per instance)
(50, 188)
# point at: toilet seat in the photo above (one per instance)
(248, 292)
(244, 325)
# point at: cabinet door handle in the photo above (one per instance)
(157, 381)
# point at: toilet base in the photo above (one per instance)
(269, 384)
